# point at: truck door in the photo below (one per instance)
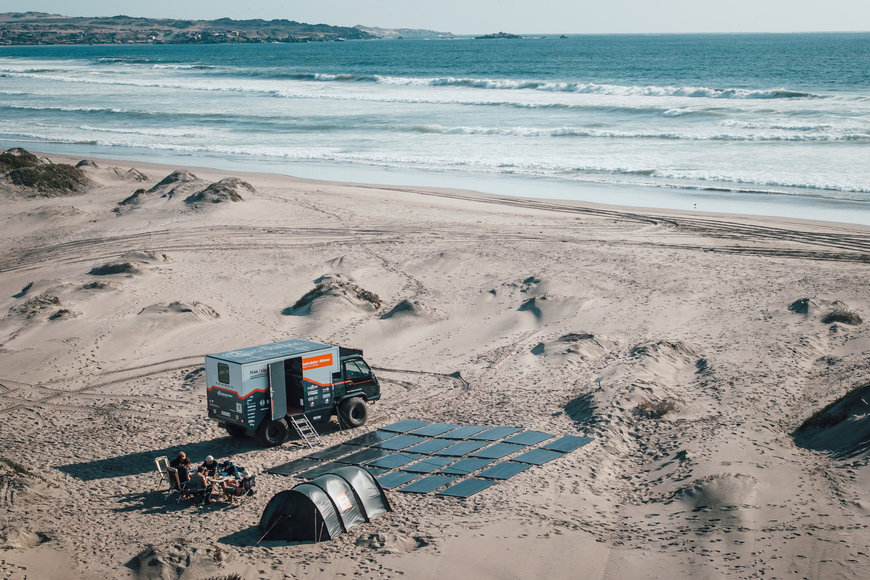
(277, 390)
(360, 376)
(293, 378)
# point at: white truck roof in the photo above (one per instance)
(285, 349)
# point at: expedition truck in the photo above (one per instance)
(255, 391)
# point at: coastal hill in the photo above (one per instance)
(17, 28)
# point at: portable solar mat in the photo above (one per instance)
(427, 484)
(396, 478)
(465, 466)
(332, 453)
(400, 442)
(529, 438)
(429, 464)
(430, 446)
(393, 460)
(405, 426)
(467, 487)
(537, 456)
(463, 432)
(433, 429)
(372, 438)
(495, 433)
(365, 455)
(320, 470)
(462, 448)
(417, 456)
(567, 443)
(294, 467)
(498, 450)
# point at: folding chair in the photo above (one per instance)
(162, 464)
(198, 496)
(248, 487)
(249, 484)
(175, 485)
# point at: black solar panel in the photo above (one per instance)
(495, 433)
(504, 470)
(433, 429)
(427, 484)
(429, 464)
(334, 452)
(498, 450)
(400, 442)
(464, 432)
(430, 446)
(392, 461)
(529, 437)
(364, 456)
(537, 456)
(466, 465)
(294, 466)
(405, 426)
(467, 487)
(396, 478)
(372, 438)
(567, 443)
(461, 448)
(376, 471)
(318, 471)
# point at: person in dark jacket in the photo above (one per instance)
(211, 466)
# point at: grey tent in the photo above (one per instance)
(324, 507)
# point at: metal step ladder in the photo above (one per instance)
(306, 430)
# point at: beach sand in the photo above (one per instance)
(691, 347)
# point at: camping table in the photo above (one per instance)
(214, 483)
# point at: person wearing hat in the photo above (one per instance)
(211, 466)
(179, 459)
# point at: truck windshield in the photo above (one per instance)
(356, 369)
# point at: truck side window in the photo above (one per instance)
(223, 373)
(356, 369)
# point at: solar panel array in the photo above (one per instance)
(414, 456)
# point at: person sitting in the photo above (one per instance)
(211, 466)
(197, 487)
(227, 468)
(178, 459)
(183, 471)
(234, 488)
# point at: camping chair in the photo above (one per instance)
(197, 495)
(248, 485)
(162, 464)
(175, 485)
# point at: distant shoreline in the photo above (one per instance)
(36, 28)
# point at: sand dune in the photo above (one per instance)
(719, 362)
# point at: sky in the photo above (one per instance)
(485, 16)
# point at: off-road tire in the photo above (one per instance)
(353, 412)
(272, 433)
(236, 431)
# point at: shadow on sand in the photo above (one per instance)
(143, 461)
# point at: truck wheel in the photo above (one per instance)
(235, 431)
(272, 433)
(353, 412)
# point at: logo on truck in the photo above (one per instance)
(316, 362)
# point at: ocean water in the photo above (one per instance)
(776, 124)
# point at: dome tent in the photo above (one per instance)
(324, 507)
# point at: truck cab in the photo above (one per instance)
(256, 390)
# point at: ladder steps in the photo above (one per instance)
(305, 429)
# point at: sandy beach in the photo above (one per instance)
(692, 347)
